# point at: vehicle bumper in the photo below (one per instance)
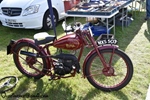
(27, 22)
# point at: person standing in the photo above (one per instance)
(147, 10)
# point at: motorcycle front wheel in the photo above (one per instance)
(115, 76)
(26, 63)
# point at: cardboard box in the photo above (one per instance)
(68, 4)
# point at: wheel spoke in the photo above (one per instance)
(96, 72)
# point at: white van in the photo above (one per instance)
(30, 14)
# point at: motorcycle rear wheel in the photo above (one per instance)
(116, 76)
(24, 63)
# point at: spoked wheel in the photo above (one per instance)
(26, 61)
(7, 83)
(115, 76)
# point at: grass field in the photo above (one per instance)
(134, 40)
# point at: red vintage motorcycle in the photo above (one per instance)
(106, 67)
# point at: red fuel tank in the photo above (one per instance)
(69, 42)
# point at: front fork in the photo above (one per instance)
(102, 58)
(96, 50)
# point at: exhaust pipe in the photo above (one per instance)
(28, 53)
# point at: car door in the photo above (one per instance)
(59, 5)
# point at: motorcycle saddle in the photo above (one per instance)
(43, 38)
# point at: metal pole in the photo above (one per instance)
(52, 18)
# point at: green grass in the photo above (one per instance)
(134, 40)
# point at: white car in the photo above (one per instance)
(30, 14)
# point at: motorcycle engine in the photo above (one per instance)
(65, 64)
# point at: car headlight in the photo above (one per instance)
(31, 10)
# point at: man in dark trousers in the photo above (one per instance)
(147, 10)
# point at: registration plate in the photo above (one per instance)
(107, 41)
(9, 47)
(10, 20)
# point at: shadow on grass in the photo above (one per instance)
(60, 91)
(54, 90)
(93, 92)
(120, 95)
(147, 32)
(29, 89)
(126, 35)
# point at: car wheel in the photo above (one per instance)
(0, 23)
(47, 23)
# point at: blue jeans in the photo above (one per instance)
(147, 8)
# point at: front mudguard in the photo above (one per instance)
(14, 43)
(113, 47)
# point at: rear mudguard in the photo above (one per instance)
(92, 52)
(13, 43)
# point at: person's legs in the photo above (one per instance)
(147, 9)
